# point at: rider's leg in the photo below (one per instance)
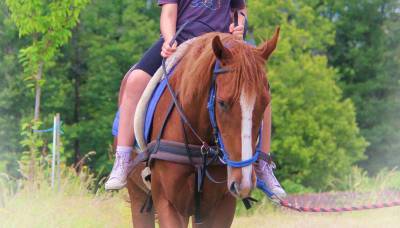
(131, 89)
(134, 87)
(264, 167)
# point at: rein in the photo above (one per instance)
(207, 150)
(174, 96)
(211, 109)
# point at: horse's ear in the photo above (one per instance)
(269, 46)
(221, 52)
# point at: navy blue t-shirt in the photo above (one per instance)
(205, 15)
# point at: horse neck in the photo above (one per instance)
(195, 110)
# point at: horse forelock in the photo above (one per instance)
(249, 71)
(196, 67)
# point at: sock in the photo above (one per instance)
(124, 151)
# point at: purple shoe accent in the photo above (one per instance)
(265, 173)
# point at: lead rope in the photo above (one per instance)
(286, 204)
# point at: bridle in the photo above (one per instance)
(217, 135)
(206, 150)
(222, 152)
(211, 110)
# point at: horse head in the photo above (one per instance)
(242, 95)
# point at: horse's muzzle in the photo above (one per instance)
(238, 191)
(240, 185)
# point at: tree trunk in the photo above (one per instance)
(38, 92)
(32, 163)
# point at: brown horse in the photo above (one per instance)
(242, 96)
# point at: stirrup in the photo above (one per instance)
(146, 177)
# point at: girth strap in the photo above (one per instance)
(174, 152)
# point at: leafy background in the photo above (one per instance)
(334, 77)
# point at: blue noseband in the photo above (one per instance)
(217, 134)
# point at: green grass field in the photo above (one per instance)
(71, 209)
(22, 205)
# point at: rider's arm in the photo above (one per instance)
(240, 6)
(169, 14)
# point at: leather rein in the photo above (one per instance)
(209, 154)
(205, 148)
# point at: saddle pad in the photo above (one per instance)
(152, 107)
(142, 119)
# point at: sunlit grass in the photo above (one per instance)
(75, 206)
(389, 217)
(46, 209)
(39, 205)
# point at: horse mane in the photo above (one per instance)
(197, 65)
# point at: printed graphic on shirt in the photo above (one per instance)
(209, 4)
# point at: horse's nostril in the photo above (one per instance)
(234, 188)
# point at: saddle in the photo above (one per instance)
(151, 95)
(163, 150)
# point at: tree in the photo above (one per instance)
(315, 139)
(315, 136)
(49, 24)
(366, 54)
(111, 37)
(13, 96)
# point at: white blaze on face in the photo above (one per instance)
(247, 105)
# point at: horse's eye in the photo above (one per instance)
(223, 105)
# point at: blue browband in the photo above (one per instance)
(217, 135)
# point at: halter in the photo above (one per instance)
(216, 132)
(211, 110)
(202, 171)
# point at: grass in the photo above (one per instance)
(75, 206)
(389, 217)
(46, 209)
(43, 208)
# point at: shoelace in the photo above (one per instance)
(269, 167)
(118, 168)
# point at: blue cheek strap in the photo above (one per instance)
(217, 135)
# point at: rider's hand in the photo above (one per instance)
(237, 31)
(166, 50)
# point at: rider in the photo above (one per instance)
(205, 16)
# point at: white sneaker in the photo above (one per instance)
(119, 173)
(264, 172)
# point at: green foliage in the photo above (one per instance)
(12, 94)
(367, 53)
(111, 37)
(49, 23)
(315, 136)
(325, 47)
(359, 181)
(292, 187)
(31, 159)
